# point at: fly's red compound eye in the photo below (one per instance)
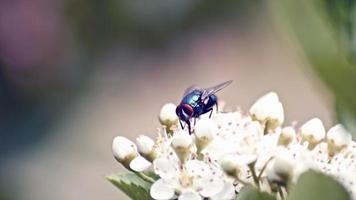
(187, 109)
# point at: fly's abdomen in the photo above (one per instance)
(213, 99)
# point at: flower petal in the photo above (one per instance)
(205, 129)
(246, 159)
(197, 168)
(189, 195)
(210, 186)
(160, 190)
(140, 164)
(166, 168)
(227, 193)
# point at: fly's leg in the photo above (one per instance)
(195, 120)
(211, 112)
(181, 125)
(189, 128)
(217, 107)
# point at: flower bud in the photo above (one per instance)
(268, 110)
(283, 166)
(229, 164)
(313, 131)
(338, 138)
(204, 130)
(271, 174)
(124, 150)
(287, 136)
(168, 116)
(145, 146)
(182, 143)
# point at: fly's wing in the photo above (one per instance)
(191, 89)
(212, 90)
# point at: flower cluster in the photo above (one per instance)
(232, 149)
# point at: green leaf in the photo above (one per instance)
(132, 185)
(152, 175)
(309, 22)
(316, 186)
(251, 193)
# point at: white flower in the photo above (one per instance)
(189, 195)
(146, 147)
(236, 137)
(268, 109)
(338, 137)
(124, 150)
(227, 150)
(162, 189)
(227, 119)
(284, 165)
(168, 116)
(219, 147)
(271, 173)
(313, 131)
(193, 180)
(304, 160)
(182, 143)
(229, 164)
(227, 193)
(144, 144)
(246, 159)
(287, 135)
(266, 149)
(204, 130)
(182, 139)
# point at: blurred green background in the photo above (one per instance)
(76, 73)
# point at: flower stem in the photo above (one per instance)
(264, 168)
(254, 176)
(280, 192)
(145, 177)
(241, 181)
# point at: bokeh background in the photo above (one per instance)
(76, 73)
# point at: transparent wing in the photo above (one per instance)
(214, 89)
(191, 89)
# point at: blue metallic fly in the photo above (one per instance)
(197, 101)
